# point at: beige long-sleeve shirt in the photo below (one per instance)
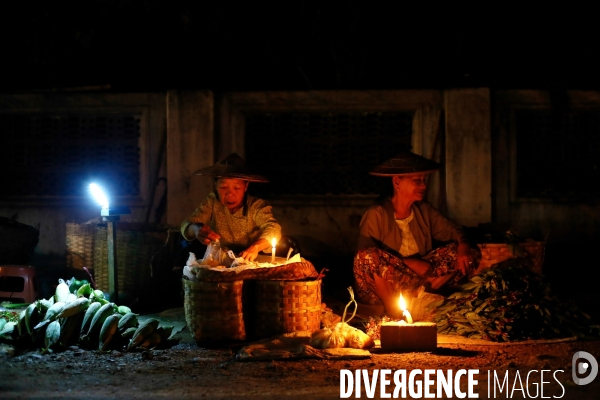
(378, 227)
(240, 229)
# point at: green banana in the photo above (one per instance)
(52, 335)
(128, 333)
(165, 332)
(31, 317)
(89, 315)
(39, 331)
(21, 323)
(99, 318)
(129, 320)
(54, 310)
(97, 294)
(71, 298)
(74, 307)
(84, 290)
(123, 310)
(62, 292)
(43, 305)
(8, 329)
(70, 326)
(145, 329)
(151, 341)
(109, 327)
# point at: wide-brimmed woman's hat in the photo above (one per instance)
(232, 166)
(406, 163)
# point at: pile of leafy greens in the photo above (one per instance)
(508, 302)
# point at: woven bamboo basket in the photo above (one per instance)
(494, 253)
(136, 245)
(213, 311)
(286, 306)
(80, 245)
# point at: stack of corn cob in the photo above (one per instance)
(86, 318)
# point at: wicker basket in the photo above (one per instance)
(493, 253)
(80, 245)
(136, 245)
(286, 306)
(213, 311)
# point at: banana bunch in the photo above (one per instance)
(81, 315)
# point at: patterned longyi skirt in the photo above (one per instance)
(371, 261)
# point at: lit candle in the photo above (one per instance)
(406, 335)
(273, 244)
(405, 312)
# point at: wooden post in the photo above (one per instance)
(113, 283)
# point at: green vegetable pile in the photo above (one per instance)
(509, 303)
(79, 314)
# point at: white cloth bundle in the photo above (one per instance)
(342, 334)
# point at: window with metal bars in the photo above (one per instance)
(558, 153)
(59, 154)
(324, 153)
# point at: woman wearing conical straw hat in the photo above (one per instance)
(395, 246)
(242, 223)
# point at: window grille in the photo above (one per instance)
(324, 153)
(59, 154)
(558, 154)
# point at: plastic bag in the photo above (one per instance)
(213, 256)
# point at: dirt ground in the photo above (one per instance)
(184, 370)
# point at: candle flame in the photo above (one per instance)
(273, 242)
(402, 303)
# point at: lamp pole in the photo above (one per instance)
(113, 282)
(110, 215)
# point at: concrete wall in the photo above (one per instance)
(468, 163)
(327, 226)
(560, 221)
(190, 146)
(476, 144)
(569, 226)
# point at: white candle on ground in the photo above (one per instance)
(273, 245)
(406, 335)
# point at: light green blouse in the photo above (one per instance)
(240, 229)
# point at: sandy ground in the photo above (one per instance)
(184, 370)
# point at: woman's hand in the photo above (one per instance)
(205, 235)
(421, 267)
(250, 253)
(464, 257)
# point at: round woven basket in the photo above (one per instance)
(286, 306)
(213, 311)
(494, 253)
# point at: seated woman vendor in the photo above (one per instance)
(242, 223)
(395, 246)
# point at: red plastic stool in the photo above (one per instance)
(18, 283)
